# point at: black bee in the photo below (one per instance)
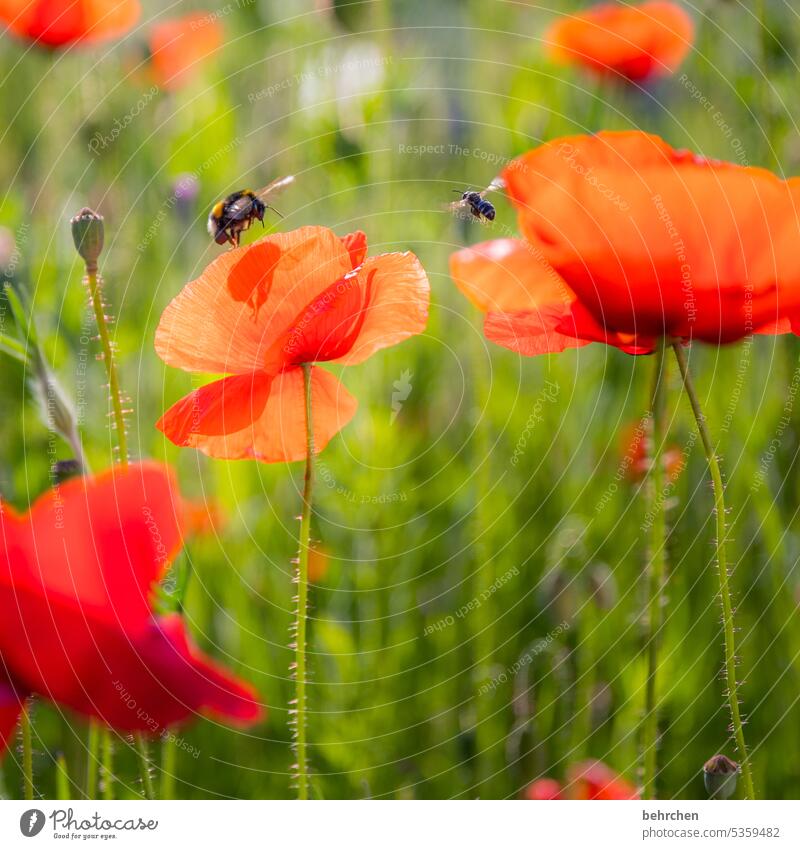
(230, 217)
(477, 204)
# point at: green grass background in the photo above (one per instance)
(395, 711)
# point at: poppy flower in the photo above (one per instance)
(650, 241)
(531, 308)
(261, 311)
(56, 23)
(586, 780)
(179, 46)
(636, 42)
(543, 790)
(635, 460)
(77, 626)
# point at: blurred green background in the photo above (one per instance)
(421, 513)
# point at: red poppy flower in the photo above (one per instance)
(650, 241)
(76, 619)
(259, 312)
(587, 780)
(56, 23)
(531, 308)
(595, 780)
(636, 461)
(543, 790)
(179, 46)
(635, 42)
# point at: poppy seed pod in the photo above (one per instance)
(720, 775)
(88, 234)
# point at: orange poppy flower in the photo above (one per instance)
(635, 42)
(259, 312)
(178, 47)
(649, 240)
(55, 23)
(202, 518)
(531, 308)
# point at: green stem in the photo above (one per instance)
(96, 294)
(107, 745)
(722, 563)
(92, 758)
(656, 576)
(27, 752)
(62, 778)
(148, 791)
(302, 596)
(168, 759)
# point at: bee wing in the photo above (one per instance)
(496, 185)
(240, 208)
(456, 205)
(275, 187)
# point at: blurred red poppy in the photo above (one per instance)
(586, 780)
(624, 221)
(179, 46)
(633, 41)
(259, 312)
(595, 780)
(56, 23)
(76, 620)
(543, 790)
(636, 462)
(202, 517)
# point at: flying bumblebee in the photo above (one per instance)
(477, 204)
(233, 215)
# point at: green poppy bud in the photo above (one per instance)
(720, 775)
(88, 234)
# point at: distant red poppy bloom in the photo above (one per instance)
(543, 790)
(633, 41)
(587, 780)
(202, 517)
(650, 241)
(56, 23)
(76, 619)
(635, 459)
(259, 312)
(595, 780)
(179, 46)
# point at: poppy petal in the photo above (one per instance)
(530, 333)
(224, 406)
(279, 435)
(637, 41)
(222, 321)
(624, 219)
(179, 46)
(507, 275)
(98, 543)
(58, 24)
(397, 296)
(356, 245)
(10, 708)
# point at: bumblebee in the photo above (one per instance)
(230, 217)
(477, 204)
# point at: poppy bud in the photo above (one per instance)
(720, 775)
(88, 234)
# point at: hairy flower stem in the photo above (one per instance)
(722, 564)
(27, 752)
(148, 791)
(92, 758)
(107, 747)
(655, 572)
(96, 295)
(302, 597)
